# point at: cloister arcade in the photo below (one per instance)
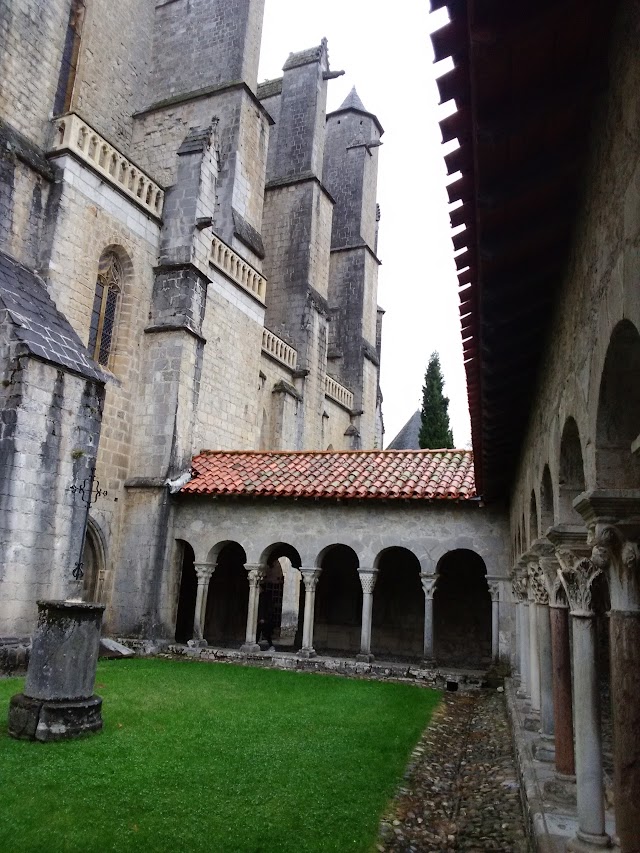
(439, 596)
(577, 573)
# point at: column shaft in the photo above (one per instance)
(495, 635)
(590, 792)
(524, 647)
(365, 633)
(428, 628)
(546, 669)
(310, 578)
(534, 659)
(625, 692)
(562, 702)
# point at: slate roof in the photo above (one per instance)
(356, 474)
(305, 57)
(38, 324)
(409, 436)
(352, 102)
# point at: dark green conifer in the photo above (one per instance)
(435, 431)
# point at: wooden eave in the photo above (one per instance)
(525, 80)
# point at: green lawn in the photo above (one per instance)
(217, 758)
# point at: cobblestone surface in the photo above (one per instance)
(461, 790)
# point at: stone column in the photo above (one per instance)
(561, 670)
(368, 582)
(256, 576)
(494, 592)
(310, 579)
(204, 572)
(534, 659)
(429, 587)
(519, 586)
(619, 556)
(577, 579)
(545, 751)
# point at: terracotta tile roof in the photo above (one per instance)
(401, 474)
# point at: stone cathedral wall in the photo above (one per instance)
(601, 287)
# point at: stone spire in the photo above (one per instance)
(353, 102)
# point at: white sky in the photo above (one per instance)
(385, 51)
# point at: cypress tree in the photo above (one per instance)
(435, 430)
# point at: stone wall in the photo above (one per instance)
(601, 288)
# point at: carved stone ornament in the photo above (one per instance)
(619, 558)
(555, 590)
(204, 571)
(494, 591)
(577, 581)
(537, 585)
(256, 574)
(367, 579)
(519, 588)
(429, 583)
(310, 578)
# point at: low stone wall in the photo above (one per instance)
(436, 677)
(14, 655)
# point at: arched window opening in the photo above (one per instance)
(533, 519)
(187, 596)
(618, 424)
(105, 306)
(571, 474)
(338, 609)
(546, 501)
(462, 610)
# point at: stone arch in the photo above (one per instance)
(462, 610)
(225, 619)
(187, 594)
(547, 513)
(281, 591)
(571, 480)
(93, 560)
(338, 606)
(533, 518)
(618, 418)
(398, 604)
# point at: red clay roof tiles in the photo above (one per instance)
(388, 474)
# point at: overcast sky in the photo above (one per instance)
(385, 51)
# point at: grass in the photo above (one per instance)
(217, 758)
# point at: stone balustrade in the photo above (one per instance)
(237, 269)
(335, 391)
(277, 349)
(73, 134)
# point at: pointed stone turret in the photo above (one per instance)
(352, 102)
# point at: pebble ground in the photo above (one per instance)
(461, 791)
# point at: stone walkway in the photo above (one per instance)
(461, 790)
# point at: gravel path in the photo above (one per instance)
(461, 790)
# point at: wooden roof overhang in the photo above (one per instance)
(524, 80)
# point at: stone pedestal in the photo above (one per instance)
(58, 701)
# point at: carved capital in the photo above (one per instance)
(204, 572)
(519, 587)
(494, 591)
(368, 579)
(256, 574)
(428, 584)
(537, 585)
(310, 578)
(577, 580)
(555, 590)
(619, 558)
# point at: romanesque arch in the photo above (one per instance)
(281, 597)
(533, 518)
(398, 605)
(338, 607)
(187, 594)
(225, 619)
(618, 419)
(462, 610)
(93, 559)
(546, 501)
(571, 473)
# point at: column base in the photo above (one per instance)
(585, 842)
(307, 653)
(560, 791)
(545, 749)
(250, 648)
(198, 644)
(531, 723)
(35, 719)
(365, 658)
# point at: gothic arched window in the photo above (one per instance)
(105, 305)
